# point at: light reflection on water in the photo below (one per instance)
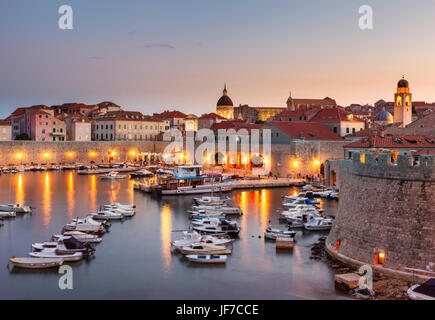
(134, 260)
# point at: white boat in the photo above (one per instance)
(19, 208)
(36, 263)
(272, 233)
(318, 223)
(81, 236)
(205, 215)
(222, 226)
(207, 258)
(206, 200)
(203, 248)
(11, 214)
(299, 211)
(107, 215)
(307, 187)
(425, 291)
(126, 212)
(84, 227)
(190, 237)
(51, 253)
(112, 175)
(220, 209)
(122, 206)
(141, 173)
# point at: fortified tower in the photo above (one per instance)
(386, 215)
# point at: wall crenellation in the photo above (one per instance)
(381, 165)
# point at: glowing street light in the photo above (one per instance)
(316, 163)
(19, 156)
(295, 163)
(47, 155)
(70, 154)
(93, 154)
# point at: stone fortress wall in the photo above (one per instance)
(386, 208)
(26, 152)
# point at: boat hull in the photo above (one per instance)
(36, 263)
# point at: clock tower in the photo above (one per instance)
(403, 104)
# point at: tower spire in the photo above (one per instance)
(225, 89)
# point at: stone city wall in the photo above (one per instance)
(27, 152)
(386, 207)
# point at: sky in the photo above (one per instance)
(152, 56)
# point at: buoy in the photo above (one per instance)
(13, 257)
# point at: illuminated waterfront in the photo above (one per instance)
(134, 259)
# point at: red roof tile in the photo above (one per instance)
(334, 115)
(394, 141)
(211, 116)
(306, 130)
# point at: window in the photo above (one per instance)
(347, 130)
(43, 130)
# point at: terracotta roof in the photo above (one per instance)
(171, 115)
(334, 115)
(419, 153)
(211, 116)
(394, 141)
(236, 125)
(324, 102)
(125, 115)
(306, 130)
(4, 123)
(297, 113)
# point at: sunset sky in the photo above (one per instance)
(156, 55)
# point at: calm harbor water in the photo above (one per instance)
(134, 260)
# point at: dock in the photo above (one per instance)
(242, 184)
(348, 280)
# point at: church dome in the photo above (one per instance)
(403, 84)
(224, 100)
(384, 116)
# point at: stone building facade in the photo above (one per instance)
(386, 210)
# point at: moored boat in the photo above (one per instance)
(36, 263)
(51, 253)
(19, 208)
(203, 248)
(207, 258)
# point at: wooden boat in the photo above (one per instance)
(207, 258)
(203, 249)
(52, 253)
(36, 263)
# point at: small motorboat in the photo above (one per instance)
(206, 200)
(11, 214)
(122, 206)
(19, 208)
(425, 291)
(52, 253)
(66, 245)
(141, 174)
(36, 263)
(190, 237)
(80, 236)
(125, 212)
(318, 223)
(207, 258)
(112, 175)
(84, 227)
(222, 226)
(272, 233)
(203, 248)
(107, 215)
(221, 209)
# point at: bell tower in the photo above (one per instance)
(403, 103)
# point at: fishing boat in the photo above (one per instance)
(36, 263)
(425, 291)
(107, 215)
(19, 208)
(207, 200)
(203, 249)
(51, 253)
(112, 175)
(220, 209)
(190, 180)
(207, 258)
(272, 233)
(143, 173)
(318, 223)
